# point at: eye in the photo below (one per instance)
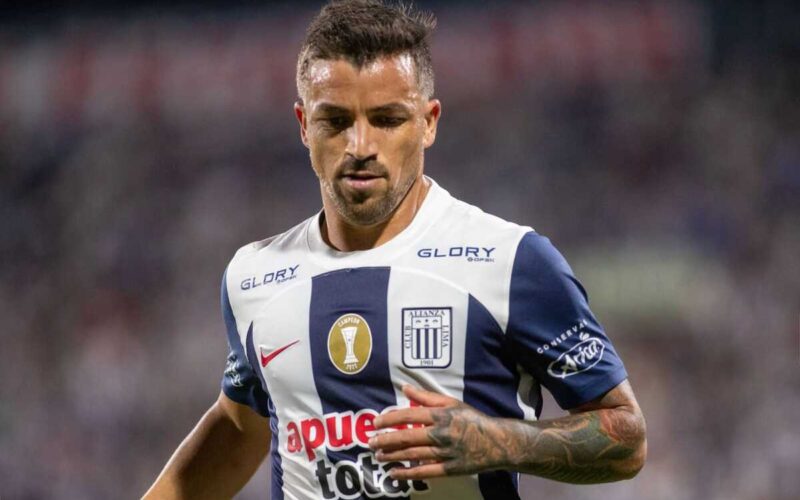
(338, 122)
(388, 121)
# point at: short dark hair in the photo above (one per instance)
(362, 31)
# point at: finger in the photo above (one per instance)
(408, 438)
(419, 472)
(425, 454)
(405, 416)
(427, 398)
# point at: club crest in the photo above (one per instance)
(350, 343)
(427, 341)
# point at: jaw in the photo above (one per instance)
(376, 203)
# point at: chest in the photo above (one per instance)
(354, 335)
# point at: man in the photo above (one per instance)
(396, 342)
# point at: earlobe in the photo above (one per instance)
(300, 114)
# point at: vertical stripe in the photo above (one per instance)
(359, 291)
(490, 385)
(290, 380)
(413, 290)
(276, 466)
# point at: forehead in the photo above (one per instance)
(386, 79)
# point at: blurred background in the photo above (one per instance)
(656, 143)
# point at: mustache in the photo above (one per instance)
(353, 165)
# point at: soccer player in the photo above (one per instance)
(396, 342)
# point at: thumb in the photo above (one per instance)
(427, 398)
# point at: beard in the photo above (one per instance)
(366, 207)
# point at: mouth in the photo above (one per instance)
(361, 180)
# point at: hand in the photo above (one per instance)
(456, 438)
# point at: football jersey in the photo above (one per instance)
(460, 302)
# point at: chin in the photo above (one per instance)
(368, 213)
(366, 217)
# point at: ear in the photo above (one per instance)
(432, 114)
(300, 113)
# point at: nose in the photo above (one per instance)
(361, 141)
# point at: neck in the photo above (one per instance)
(348, 237)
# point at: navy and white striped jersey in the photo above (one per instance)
(460, 302)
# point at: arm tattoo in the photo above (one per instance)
(588, 447)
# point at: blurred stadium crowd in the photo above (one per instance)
(656, 143)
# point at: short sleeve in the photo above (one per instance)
(554, 335)
(240, 381)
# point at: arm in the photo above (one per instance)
(218, 457)
(600, 441)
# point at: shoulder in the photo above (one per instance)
(543, 284)
(536, 254)
(470, 221)
(531, 259)
(263, 251)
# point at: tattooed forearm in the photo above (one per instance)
(591, 447)
(604, 441)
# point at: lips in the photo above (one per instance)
(361, 176)
(361, 180)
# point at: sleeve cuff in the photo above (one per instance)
(596, 388)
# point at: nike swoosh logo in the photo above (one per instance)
(269, 357)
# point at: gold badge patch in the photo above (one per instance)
(350, 343)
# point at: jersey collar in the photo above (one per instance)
(433, 206)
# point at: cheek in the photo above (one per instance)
(324, 152)
(408, 146)
(411, 150)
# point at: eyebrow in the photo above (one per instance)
(330, 108)
(393, 107)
